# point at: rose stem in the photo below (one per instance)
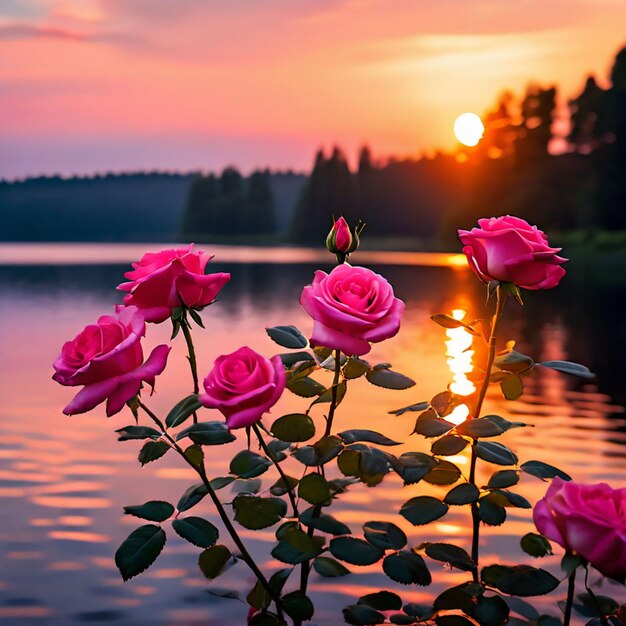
(500, 299)
(603, 618)
(305, 567)
(268, 452)
(571, 588)
(220, 509)
(192, 359)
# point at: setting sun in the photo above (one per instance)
(469, 129)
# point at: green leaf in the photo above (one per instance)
(213, 560)
(423, 510)
(323, 522)
(349, 463)
(255, 513)
(519, 580)
(320, 452)
(449, 322)
(295, 547)
(208, 433)
(266, 618)
(465, 493)
(139, 550)
(295, 427)
(154, 510)
(567, 367)
(137, 432)
(196, 530)
(221, 481)
(329, 568)
(494, 452)
(248, 464)
(491, 611)
(196, 317)
(361, 615)
(298, 606)
(596, 607)
(407, 568)
(194, 455)
(422, 612)
(542, 470)
(289, 359)
(481, 427)
(457, 597)
(535, 545)
(305, 387)
(512, 387)
(382, 601)
(287, 337)
(491, 510)
(388, 379)
(514, 499)
(503, 478)
(355, 368)
(513, 361)
(451, 554)
(370, 436)
(151, 451)
(401, 618)
(570, 562)
(314, 489)
(413, 408)
(355, 551)
(384, 535)
(445, 473)
(413, 466)
(258, 597)
(191, 497)
(449, 445)
(428, 424)
(445, 402)
(280, 488)
(247, 485)
(182, 411)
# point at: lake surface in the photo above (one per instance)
(64, 481)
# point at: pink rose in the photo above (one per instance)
(351, 307)
(164, 280)
(106, 357)
(339, 238)
(587, 519)
(243, 385)
(510, 250)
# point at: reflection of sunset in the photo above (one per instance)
(460, 363)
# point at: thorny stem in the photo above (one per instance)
(305, 568)
(199, 469)
(283, 476)
(193, 365)
(571, 588)
(501, 297)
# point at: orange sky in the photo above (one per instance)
(93, 85)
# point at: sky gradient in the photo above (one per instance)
(95, 85)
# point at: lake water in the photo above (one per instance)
(64, 481)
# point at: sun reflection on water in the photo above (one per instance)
(459, 353)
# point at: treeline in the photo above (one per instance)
(512, 170)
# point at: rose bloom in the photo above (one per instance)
(510, 250)
(107, 358)
(351, 307)
(243, 385)
(340, 238)
(164, 280)
(587, 519)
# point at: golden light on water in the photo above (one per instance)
(469, 129)
(459, 353)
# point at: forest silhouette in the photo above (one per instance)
(513, 169)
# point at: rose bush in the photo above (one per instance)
(509, 249)
(164, 280)
(587, 519)
(107, 358)
(351, 307)
(243, 385)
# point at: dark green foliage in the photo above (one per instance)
(151, 451)
(256, 513)
(519, 580)
(298, 606)
(384, 535)
(192, 496)
(208, 433)
(451, 554)
(407, 568)
(287, 337)
(388, 379)
(137, 432)
(247, 464)
(535, 545)
(196, 530)
(362, 615)
(213, 560)
(295, 427)
(355, 551)
(314, 489)
(542, 470)
(382, 601)
(182, 410)
(329, 568)
(139, 550)
(154, 510)
(462, 494)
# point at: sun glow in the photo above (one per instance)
(459, 353)
(469, 129)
